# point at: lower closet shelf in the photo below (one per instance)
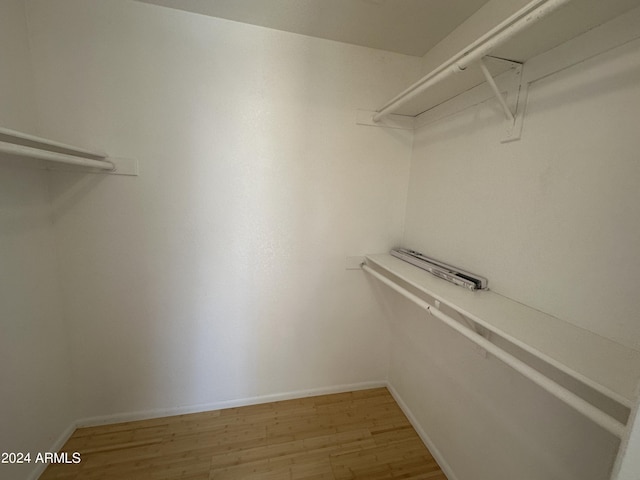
(588, 360)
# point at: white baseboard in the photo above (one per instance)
(444, 465)
(205, 407)
(55, 447)
(155, 413)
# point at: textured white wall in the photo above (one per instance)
(218, 273)
(35, 394)
(553, 221)
(17, 102)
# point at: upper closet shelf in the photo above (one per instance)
(536, 28)
(19, 144)
(608, 368)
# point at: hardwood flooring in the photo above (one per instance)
(355, 435)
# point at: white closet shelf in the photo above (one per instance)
(543, 25)
(24, 145)
(609, 368)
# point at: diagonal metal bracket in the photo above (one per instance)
(513, 104)
(496, 91)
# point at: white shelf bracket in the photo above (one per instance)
(496, 91)
(517, 101)
(513, 104)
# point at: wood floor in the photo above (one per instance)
(355, 435)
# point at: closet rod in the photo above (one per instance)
(596, 415)
(522, 19)
(48, 143)
(36, 153)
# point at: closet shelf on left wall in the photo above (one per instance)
(19, 144)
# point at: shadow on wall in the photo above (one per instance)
(236, 292)
(603, 76)
(193, 283)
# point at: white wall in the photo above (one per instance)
(17, 106)
(35, 394)
(219, 273)
(553, 221)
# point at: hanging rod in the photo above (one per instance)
(594, 414)
(26, 145)
(14, 134)
(522, 19)
(39, 154)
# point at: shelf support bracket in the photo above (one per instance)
(513, 104)
(492, 83)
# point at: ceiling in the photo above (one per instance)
(411, 27)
